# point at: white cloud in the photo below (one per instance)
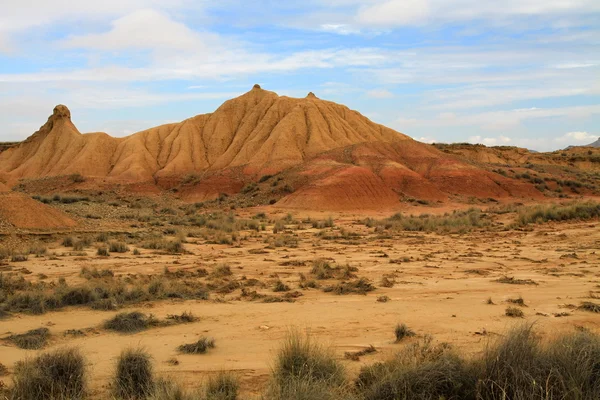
(5, 45)
(501, 120)
(490, 141)
(576, 137)
(395, 12)
(342, 29)
(426, 139)
(417, 12)
(380, 94)
(18, 15)
(143, 29)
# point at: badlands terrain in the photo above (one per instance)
(275, 214)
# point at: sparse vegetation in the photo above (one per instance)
(32, 340)
(556, 212)
(301, 366)
(358, 286)
(131, 322)
(514, 312)
(589, 306)
(222, 386)
(199, 347)
(118, 247)
(60, 374)
(511, 280)
(402, 331)
(457, 221)
(133, 375)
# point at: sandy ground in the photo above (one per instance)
(442, 284)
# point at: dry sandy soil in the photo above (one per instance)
(441, 286)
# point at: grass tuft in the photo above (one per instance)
(56, 375)
(32, 340)
(134, 375)
(199, 347)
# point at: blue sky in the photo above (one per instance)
(524, 73)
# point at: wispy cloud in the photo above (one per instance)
(439, 70)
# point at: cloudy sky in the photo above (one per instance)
(512, 72)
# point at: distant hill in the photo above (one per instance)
(326, 156)
(595, 144)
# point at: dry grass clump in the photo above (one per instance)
(131, 322)
(306, 370)
(518, 301)
(102, 291)
(589, 306)
(557, 212)
(223, 386)
(327, 223)
(199, 347)
(511, 280)
(517, 366)
(387, 282)
(514, 312)
(31, 340)
(322, 269)
(60, 374)
(169, 246)
(19, 258)
(422, 370)
(221, 271)
(102, 251)
(95, 273)
(184, 318)
(402, 331)
(455, 222)
(358, 286)
(118, 247)
(134, 375)
(355, 355)
(280, 287)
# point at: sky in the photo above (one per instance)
(515, 72)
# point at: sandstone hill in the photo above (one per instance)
(336, 157)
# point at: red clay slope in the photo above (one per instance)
(375, 175)
(22, 211)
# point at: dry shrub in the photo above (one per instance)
(50, 376)
(304, 368)
(199, 347)
(131, 322)
(32, 340)
(134, 375)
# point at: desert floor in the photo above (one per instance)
(441, 287)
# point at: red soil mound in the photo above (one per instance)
(21, 211)
(377, 175)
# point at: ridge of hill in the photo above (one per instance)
(336, 157)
